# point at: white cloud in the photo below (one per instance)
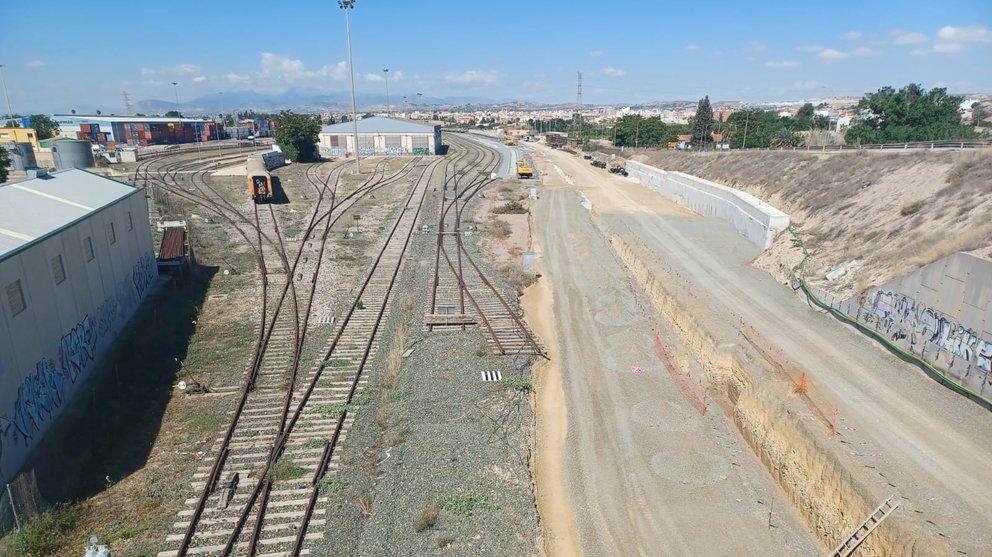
(919, 52)
(596, 53)
(862, 51)
(956, 39)
(379, 78)
(34, 63)
(756, 46)
(613, 72)
(283, 68)
(780, 64)
(693, 47)
(970, 34)
(903, 38)
(831, 54)
(852, 35)
(199, 79)
(474, 77)
(181, 69)
(949, 48)
(806, 85)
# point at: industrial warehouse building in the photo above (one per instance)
(76, 260)
(380, 136)
(137, 131)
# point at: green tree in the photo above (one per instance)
(44, 126)
(4, 164)
(702, 122)
(805, 115)
(978, 114)
(909, 114)
(173, 114)
(296, 135)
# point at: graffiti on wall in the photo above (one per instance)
(37, 398)
(903, 318)
(44, 391)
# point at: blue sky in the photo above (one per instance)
(628, 51)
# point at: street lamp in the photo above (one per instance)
(347, 5)
(175, 88)
(385, 73)
(221, 113)
(10, 113)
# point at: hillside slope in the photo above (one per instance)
(892, 212)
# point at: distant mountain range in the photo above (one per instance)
(231, 101)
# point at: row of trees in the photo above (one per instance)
(886, 116)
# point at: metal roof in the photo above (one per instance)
(36, 208)
(87, 118)
(378, 124)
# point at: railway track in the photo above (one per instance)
(285, 415)
(462, 295)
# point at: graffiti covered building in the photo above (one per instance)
(76, 259)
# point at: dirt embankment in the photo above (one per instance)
(892, 212)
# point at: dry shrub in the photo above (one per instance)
(911, 208)
(801, 386)
(364, 505)
(427, 518)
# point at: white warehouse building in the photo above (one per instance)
(76, 260)
(380, 136)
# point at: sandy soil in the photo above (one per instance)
(646, 474)
(553, 505)
(900, 432)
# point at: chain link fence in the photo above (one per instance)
(20, 502)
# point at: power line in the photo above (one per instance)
(127, 103)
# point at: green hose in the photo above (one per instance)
(927, 367)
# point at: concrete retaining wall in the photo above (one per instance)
(942, 312)
(753, 218)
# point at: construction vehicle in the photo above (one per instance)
(523, 169)
(509, 140)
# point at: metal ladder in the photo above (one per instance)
(862, 532)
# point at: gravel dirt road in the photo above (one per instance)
(645, 473)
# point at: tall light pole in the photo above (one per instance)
(347, 5)
(385, 73)
(221, 113)
(10, 113)
(175, 88)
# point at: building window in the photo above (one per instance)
(111, 233)
(58, 270)
(15, 298)
(130, 222)
(88, 248)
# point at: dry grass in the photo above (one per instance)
(364, 505)
(893, 212)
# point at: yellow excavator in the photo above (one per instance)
(509, 140)
(523, 169)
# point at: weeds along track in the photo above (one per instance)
(462, 294)
(286, 423)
